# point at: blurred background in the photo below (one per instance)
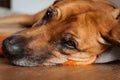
(26, 6)
(31, 6)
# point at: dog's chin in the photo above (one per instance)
(27, 63)
(24, 62)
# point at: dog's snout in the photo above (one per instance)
(13, 45)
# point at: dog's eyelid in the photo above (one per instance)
(55, 12)
(49, 12)
(69, 41)
(52, 11)
(69, 44)
(70, 35)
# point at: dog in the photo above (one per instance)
(78, 32)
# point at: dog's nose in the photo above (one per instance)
(13, 45)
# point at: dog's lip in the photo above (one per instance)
(74, 62)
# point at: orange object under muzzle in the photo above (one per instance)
(1, 40)
(73, 62)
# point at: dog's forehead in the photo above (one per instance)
(82, 4)
(69, 12)
(71, 3)
(72, 17)
(69, 7)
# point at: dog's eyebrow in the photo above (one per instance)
(56, 2)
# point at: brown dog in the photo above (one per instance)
(70, 32)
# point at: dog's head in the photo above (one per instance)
(69, 31)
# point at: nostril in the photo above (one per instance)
(13, 45)
(8, 44)
(14, 40)
(10, 40)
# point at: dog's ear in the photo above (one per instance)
(116, 13)
(113, 36)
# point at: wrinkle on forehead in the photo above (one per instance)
(70, 8)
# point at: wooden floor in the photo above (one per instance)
(109, 71)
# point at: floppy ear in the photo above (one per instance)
(116, 13)
(113, 36)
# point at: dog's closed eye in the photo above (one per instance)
(69, 44)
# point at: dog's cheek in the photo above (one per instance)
(56, 57)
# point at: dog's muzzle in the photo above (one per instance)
(15, 50)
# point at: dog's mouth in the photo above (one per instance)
(83, 62)
(111, 54)
(28, 60)
(24, 62)
(105, 57)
